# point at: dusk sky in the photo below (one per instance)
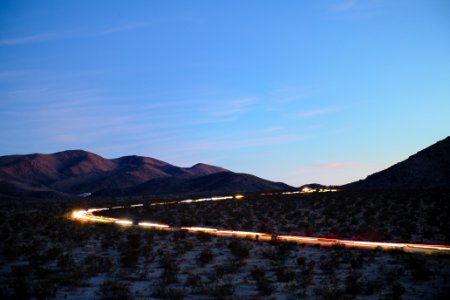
(292, 91)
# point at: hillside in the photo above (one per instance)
(428, 168)
(75, 172)
(222, 182)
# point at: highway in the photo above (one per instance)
(90, 216)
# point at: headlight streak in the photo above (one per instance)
(124, 222)
(88, 215)
(155, 225)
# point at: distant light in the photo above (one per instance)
(124, 222)
(203, 229)
(147, 224)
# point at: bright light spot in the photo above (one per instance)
(80, 214)
(124, 222)
(187, 201)
(204, 229)
(147, 224)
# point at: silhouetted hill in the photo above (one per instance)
(76, 171)
(223, 182)
(18, 189)
(203, 169)
(429, 168)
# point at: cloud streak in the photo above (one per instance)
(344, 6)
(30, 39)
(317, 112)
(230, 107)
(49, 36)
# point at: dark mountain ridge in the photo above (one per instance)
(221, 182)
(427, 169)
(75, 172)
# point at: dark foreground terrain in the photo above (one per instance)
(419, 216)
(45, 255)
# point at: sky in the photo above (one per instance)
(324, 91)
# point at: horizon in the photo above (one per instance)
(198, 163)
(327, 92)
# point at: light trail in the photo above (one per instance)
(154, 225)
(124, 222)
(89, 216)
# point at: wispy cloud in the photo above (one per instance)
(355, 9)
(289, 94)
(274, 129)
(230, 107)
(344, 6)
(48, 36)
(30, 39)
(317, 112)
(63, 111)
(228, 143)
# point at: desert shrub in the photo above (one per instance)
(170, 272)
(45, 290)
(223, 291)
(193, 280)
(263, 284)
(327, 264)
(52, 253)
(205, 257)
(418, 267)
(397, 290)
(95, 264)
(284, 274)
(356, 262)
(113, 289)
(238, 249)
(300, 260)
(284, 250)
(21, 288)
(330, 293)
(165, 292)
(129, 258)
(372, 287)
(353, 284)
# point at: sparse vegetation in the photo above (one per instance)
(45, 255)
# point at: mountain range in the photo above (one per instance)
(76, 172)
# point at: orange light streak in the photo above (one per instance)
(88, 215)
(147, 224)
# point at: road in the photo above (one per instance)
(90, 216)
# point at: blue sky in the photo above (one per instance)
(293, 91)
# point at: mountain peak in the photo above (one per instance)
(79, 171)
(204, 169)
(428, 168)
